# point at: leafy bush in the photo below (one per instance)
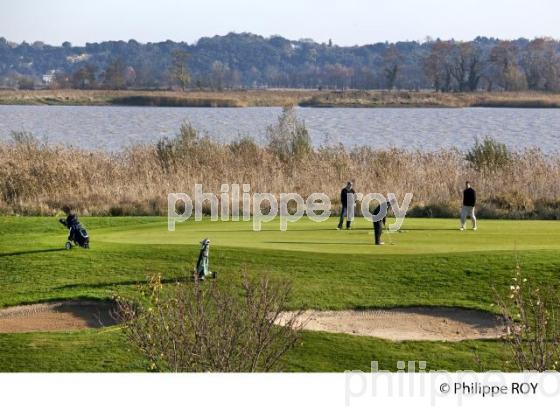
(489, 155)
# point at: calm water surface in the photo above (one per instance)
(113, 128)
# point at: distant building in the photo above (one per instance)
(77, 58)
(48, 77)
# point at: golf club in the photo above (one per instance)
(390, 235)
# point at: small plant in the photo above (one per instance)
(201, 327)
(489, 155)
(25, 138)
(188, 136)
(170, 151)
(531, 315)
(289, 138)
(165, 154)
(245, 146)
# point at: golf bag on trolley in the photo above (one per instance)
(77, 234)
(202, 270)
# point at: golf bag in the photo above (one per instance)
(202, 270)
(77, 234)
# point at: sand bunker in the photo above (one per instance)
(448, 324)
(57, 316)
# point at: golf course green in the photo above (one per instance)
(429, 262)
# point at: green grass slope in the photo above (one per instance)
(430, 263)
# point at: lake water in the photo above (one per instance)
(426, 129)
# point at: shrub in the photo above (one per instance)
(24, 138)
(512, 201)
(547, 209)
(245, 148)
(170, 151)
(531, 315)
(188, 136)
(289, 138)
(444, 210)
(200, 327)
(489, 155)
(175, 101)
(512, 204)
(25, 83)
(166, 154)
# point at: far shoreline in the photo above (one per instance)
(280, 98)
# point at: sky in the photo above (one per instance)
(346, 22)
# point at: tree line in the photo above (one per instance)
(249, 61)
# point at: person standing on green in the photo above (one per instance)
(469, 202)
(379, 221)
(347, 200)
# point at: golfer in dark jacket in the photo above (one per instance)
(469, 202)
(378, 225)
(347, 200)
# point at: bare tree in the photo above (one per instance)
(391, 66)
(541, 64)
(505, 68)
(338, 75)
(179, 69)
(60, 81)
(219, 75)
(115, 76)
(84, 77)
(201, 326)
(476, 64)
(466, 66)
(437, 66)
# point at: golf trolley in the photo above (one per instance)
(77, 235)
(202, 271)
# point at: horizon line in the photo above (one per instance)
(427, 39)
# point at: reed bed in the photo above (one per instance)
(38, 179)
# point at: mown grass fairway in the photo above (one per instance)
(430, 263)
(417, 236)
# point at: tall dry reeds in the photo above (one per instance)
(37, 179)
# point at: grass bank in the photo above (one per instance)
(378, 99)
(238, 98)
(431, 264)
(279, 98)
